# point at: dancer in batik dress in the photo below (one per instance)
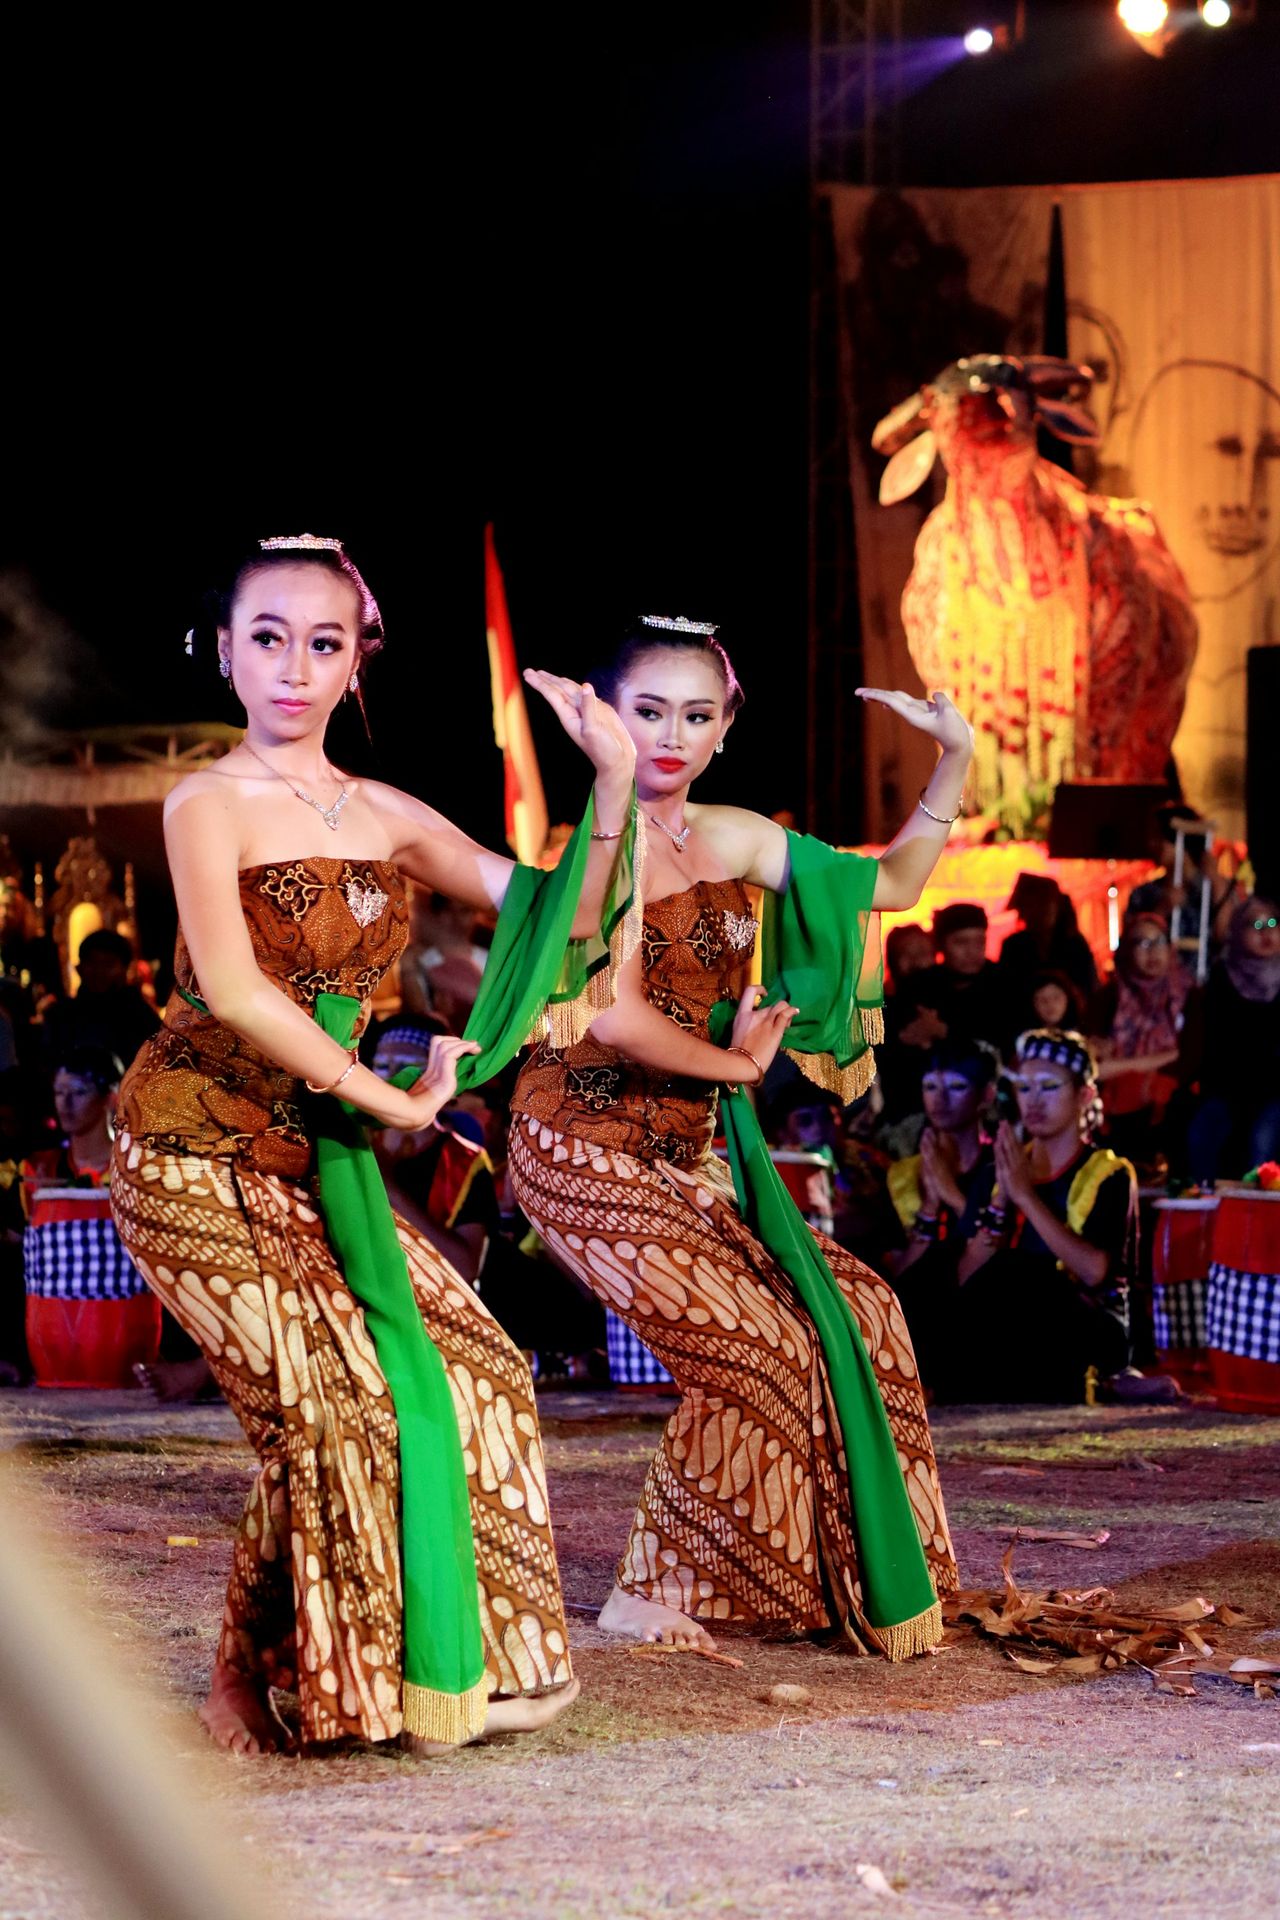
(746, 1513)
(214, 1197)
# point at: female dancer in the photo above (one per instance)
(353, 1577)
(752, 1508)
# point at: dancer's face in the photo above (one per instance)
(672, 705)
(292, 648)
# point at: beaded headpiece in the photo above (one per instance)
(676, 623)
(370, 617)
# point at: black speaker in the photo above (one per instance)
(1103, 819)
(1261, 801)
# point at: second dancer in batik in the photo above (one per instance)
(796, 1482)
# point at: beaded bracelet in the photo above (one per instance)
(335, 1084)
(942, 819)
(927, 1226)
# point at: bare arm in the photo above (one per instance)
(202, 837)
(912, 855)
(631, 1026)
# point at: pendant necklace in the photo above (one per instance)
(677, 839)
(330, 815)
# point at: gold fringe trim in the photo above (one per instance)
(910, 1637)
(872, 1025)
(565, 1022)
(848, 1083)
(449, 1717)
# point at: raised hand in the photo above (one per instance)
(760, 1030)
(1013, 1172)
(438, 1081)
(590, 723)
(935, 716)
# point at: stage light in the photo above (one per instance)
(979, 40)
(1144, 18)
(1215, 13)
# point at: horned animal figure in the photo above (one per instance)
(1056, 618)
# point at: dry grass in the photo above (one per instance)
(674, 1786)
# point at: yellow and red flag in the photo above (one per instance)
(526, 806)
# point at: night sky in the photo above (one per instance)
(553, 275)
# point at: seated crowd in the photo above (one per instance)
(991, 1172)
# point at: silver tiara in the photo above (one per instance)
(300, 543)
(678, 624)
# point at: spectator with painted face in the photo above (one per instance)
(961, 998)
(937, 1192)
(1043, 1294)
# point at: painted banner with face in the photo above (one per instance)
(1173, 294)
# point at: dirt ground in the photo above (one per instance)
(954, 1785)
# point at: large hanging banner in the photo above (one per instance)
(1173, 294)
(925, 276)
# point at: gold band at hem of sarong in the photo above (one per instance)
(451, 1718)
(909, 1637)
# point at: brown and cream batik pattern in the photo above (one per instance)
(745, 1512)
(241, 1260)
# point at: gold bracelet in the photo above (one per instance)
(746, 1051)
(333, 1085)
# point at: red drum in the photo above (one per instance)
(1244, 1301)
(1181, 1255)
(809, 1179)
(90, 1315)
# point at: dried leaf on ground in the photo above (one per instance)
(656, 1651)
(872, 1879)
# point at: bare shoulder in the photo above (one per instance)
(394, 803)
(208, 790)
(751, 845)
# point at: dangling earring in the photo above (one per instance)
(353, 684)
(719, 746)
(224, 666)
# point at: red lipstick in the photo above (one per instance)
(669, 766)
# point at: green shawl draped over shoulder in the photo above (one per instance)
(820, 951)
(537, 976)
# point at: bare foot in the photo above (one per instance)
(238, 1715)
(646, 1620)
(519, 1715)
(174, 1382)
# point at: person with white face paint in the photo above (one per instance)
(1043, 1294)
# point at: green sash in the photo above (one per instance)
(816, 941)
(533, 965)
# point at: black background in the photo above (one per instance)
(550, 270)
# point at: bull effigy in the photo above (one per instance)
(1056, 618)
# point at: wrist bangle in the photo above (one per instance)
(747, 1054)
(943, 819)
(333, 1085)
(609, 836)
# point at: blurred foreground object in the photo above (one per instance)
(87, 1751)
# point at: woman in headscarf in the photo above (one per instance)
(1233, 1051)
(1135, 1027)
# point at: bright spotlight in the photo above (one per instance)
(1215, 13)
(979, 40)
(1143, 17)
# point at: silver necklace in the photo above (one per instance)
(330, 815)
(677, 839)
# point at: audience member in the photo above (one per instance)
(108, 1010)
(961, 998)
(1056, 1001)
(1231, 1050)
(1135, 1026)
(1048, 937)
(1043, 1289)
(908, 949)
(1162, 894)
(85, 1083)
(936, 1192)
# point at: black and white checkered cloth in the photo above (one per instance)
(630, 1362)
(1244, 1313)
(78, 1260)
(1178, 1312)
